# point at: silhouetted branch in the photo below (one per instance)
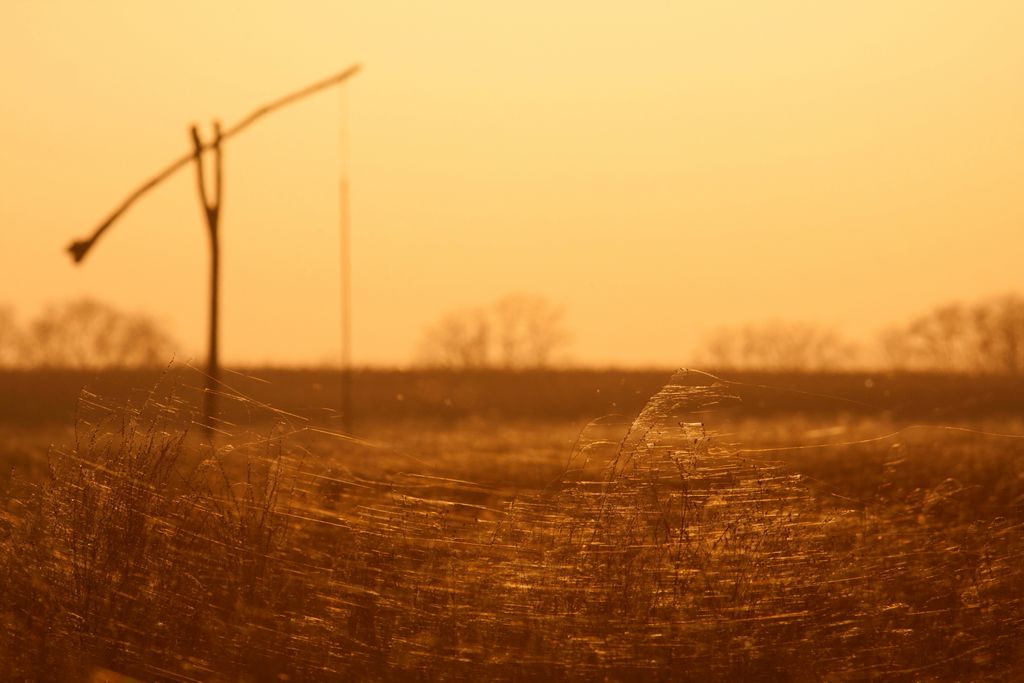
(288, 99)
(79, 248)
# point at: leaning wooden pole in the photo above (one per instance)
(79, 248)
(211, 210)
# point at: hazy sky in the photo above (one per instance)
(660, 168)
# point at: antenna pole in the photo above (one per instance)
(346, 275)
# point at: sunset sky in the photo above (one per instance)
(658, 168)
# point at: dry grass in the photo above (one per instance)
(658, 551)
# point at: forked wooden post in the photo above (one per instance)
(211, 210)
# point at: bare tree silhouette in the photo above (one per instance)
(89, 334)
(529, 330)
(777, 346)
(516, 332)
(11, 339)
(460, 339)
(987, 336)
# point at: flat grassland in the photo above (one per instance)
(689, 538)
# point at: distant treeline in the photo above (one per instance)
(982, 337)
(526, 332)
(52, 396)
(83, 334)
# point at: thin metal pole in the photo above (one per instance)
(346, 273)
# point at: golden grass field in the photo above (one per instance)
(688, 542)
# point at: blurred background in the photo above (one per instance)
(640, 180)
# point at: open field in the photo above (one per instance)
(688, 540)
(50, 397)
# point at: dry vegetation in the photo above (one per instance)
(675, 546)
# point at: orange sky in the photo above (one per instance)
(660, 168)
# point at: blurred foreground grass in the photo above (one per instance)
(682, 545)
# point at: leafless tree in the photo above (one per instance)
(529, 330)
(987, 336)
(942, 339)
(460, 339)
(1000, 325)
(518, 331)
(778, 346)
(11, 339)
(89, 334)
